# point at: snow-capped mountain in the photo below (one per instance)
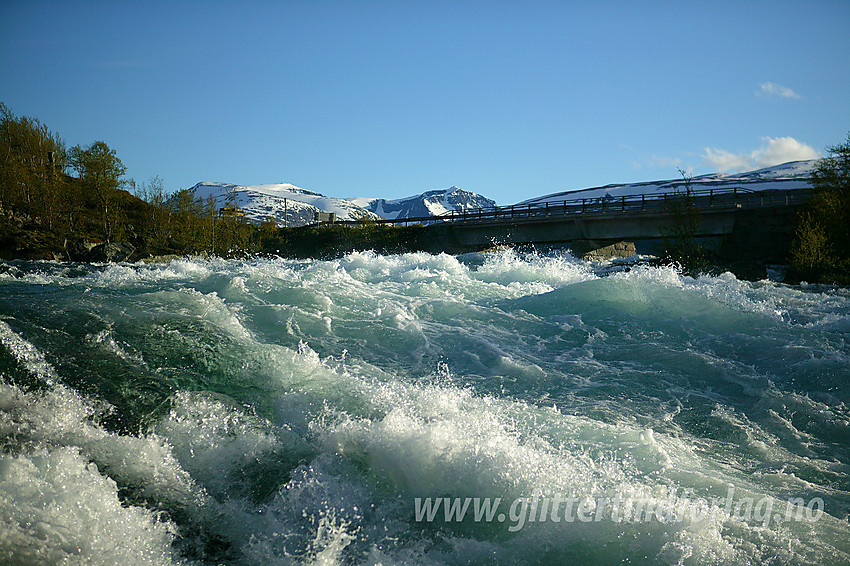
(287, 204)
(430, 203)
(792, 175)
(292, 206)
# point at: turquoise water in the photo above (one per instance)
(292, 412)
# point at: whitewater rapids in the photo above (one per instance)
(292, 412)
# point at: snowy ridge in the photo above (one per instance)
(287, 204)
(293, 206)
(430, 203)
(792, 175)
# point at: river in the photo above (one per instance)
(499, 408)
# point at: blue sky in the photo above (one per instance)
(388, 99)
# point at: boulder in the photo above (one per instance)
(611, 251)
(111, 251)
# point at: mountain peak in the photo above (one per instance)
(429, 203)
(287, 204)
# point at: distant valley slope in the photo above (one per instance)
(792, 175)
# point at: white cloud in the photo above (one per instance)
(783, 150)
(642, 160)
(661, 161)
(773, 89)
(774, 151)
(724, 161)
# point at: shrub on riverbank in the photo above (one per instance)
(821, 248)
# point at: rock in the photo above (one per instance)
(111, 251)
(497, 249)
(167, 258)
(78, 249)
(747, 270)
(620, 249)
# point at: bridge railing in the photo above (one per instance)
(700, 199)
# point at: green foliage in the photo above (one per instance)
(831, 180)
(31, 161)
(186, 211)
(185, 224)
(45, 213)
(156, 224)
(811, 248)
(821, 249)
(102, 174)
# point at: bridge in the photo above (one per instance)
(740, 219)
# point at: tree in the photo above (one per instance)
(158, 215)
(822, 240)
(101, 172)
(210, 212)
(186, 213)
(31, 161)
(811, 249)
(678, 235)
(831, 181)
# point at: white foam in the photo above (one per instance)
(27, 354)
(61, 418)
(319, 459)
(57, 508)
